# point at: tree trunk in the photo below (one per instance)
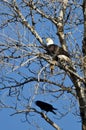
(84, 39)
(82, 96)
(82, 102)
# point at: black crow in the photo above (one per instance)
(45, 106)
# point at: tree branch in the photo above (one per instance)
(50, 121)
(60, 25)
(26, 24)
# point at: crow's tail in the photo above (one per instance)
(53, 112)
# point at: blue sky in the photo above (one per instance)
(15, 122)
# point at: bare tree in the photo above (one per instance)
(24, 64)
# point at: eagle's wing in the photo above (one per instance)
(56, 50)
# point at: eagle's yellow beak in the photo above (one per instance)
(48, 39)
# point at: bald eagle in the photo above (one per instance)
(45, 106)
(56, 52)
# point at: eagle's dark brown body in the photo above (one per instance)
(55, 51)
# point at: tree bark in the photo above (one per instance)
(84, 39)
(82, 97)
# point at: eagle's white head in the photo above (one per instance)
(49, 41)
